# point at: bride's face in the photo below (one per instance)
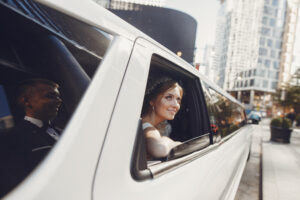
(167, 104)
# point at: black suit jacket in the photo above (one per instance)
(21, 151)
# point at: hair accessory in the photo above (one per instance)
(153, 84)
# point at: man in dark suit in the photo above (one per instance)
(291, 115)
(33, 137)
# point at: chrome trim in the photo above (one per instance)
(189, 146)
(230, 136)
(161, 168)
(233, 134)
(164, 167)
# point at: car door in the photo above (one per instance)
(204, 174)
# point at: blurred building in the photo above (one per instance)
(173, 29)
(295, 78)
(296, 52)
(156, 3)
(104, 3)
(249, 49)
(207, 62)
(129, 4)
(236, 41)
(289, 41)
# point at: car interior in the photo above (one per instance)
(31, 47)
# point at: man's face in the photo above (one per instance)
(44, 102)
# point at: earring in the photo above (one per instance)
(152, 107)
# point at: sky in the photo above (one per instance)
(205, 12)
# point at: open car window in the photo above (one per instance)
(190, 125)
(205, 118)
(189, 122)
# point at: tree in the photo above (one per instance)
(291, 99)
(289, 95)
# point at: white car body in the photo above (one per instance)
(93, 158)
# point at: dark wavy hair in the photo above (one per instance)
(155, 87)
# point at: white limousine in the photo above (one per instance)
(102, 66)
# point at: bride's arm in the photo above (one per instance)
(158, 146)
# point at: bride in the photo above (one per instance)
(162, 102)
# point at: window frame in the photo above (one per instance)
(196, 143)
(158, 168)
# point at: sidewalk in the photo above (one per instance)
(280, 167)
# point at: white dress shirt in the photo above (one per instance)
(40, 124)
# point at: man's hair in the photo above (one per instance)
(28, 87)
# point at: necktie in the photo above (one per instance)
(51, 131)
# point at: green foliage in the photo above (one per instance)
(292, 98)
(276, 122)
(286, 123)
(281, 122)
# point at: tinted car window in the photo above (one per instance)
(225, 115)
(35, 44)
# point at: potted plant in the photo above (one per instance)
(281, 129)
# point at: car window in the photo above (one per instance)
(40, 43)
(225, 115)
(212, 110)
(189, 122)
(190, 126)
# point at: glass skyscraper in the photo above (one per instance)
(248, 49)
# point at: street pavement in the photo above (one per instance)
(281, 167)
(273, 170)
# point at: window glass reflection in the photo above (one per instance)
(225, 116)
